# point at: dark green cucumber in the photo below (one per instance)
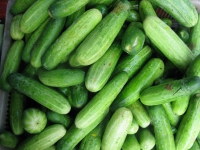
(101, 101)
(183, 12)
(133, 16)
(42, 94)
(8, 139)
(183, 33)
(152, 70)
(194, 68)
(11, 63)
(167, 21)
(92, 3)
(102, 8)
(103, 35)
(162, 128)
(49, 34)
(66, 42)
(132, 64)
(133, 39)
(48, 137)
(61, 77)
(189, 127)
(170, 91)
(15, 31)
(99, 72)
(63, 8)
(131, 143)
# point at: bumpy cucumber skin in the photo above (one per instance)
(48, 137)
(11, 63)
(42, 94)
(152, 70)
(101, 101)
(162, 36)
(15, 31)
(66, 42)
(131, 143)
(116, 130)
(170, 91)
(189, 126)
(99, 73)
(162, 128)
(182, 11)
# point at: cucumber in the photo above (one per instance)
(92, 3)
(61, 77)
(54, 117)
(11, 63)
(162, 36)
(8, 139)
(102, 8)
(15, 31)
(167, 21)
(140, 114)
(26, 55)
(35, 15)
(101, 101)
(117, 128)
(104, 34)
(183, 33)
(134, 4)
(195, 146)
(132, 64)
(183, 12)
(162, 128)
(50, 33)
(131, 143)
(152, 70)
(194, 69)
(170, 91)
(48, 137)
(133, 39)
(134, 127)
(133, 16)
(63, 8)
(66, 42)
(30, 71)
(189, 126)
(20, 6)
(99, 72)
(42, 94)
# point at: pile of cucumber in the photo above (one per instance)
(109, 74)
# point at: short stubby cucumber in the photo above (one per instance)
(15, 31)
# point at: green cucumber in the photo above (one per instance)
(42, 94)
(8, 139)
(26, 55)
(20, 6)
(167, 21)
(50, 33)
(61, 77)
(134, 127)
(116, 130)
(30, 71)
(183, 12)
(194, 69)
(152, 70)
(11, 63)
(131, 143)
(101, 101)
(133, 39)
(162, 128)
(103, 35)
(92, 3)
(132, 64)
(162, 36)
(48, 137)
(99, 72)
(140, 114)
(195, 146)
(35, 15)
(189, 127)
(15, 31)
(133, 16)
(66, 42)
(170, 91)
(183, 33)
(63, 8)
(134, 4)
(102, 8)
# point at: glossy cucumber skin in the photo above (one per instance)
(11, 63)
(152, 70)
(182, 11)
(63, 8)
(50, 33)
(131, 143)
(66, 43)
(116, 130)
(133, 15)
(189, 126)
(170, 91)
(162, 128)
(101, 101)
(100, 39)
(162, 36)
(99, 73)
(15, 31)
(35, 15)
(40, 93)
(48, 137)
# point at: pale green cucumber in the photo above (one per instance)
(134, 127)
